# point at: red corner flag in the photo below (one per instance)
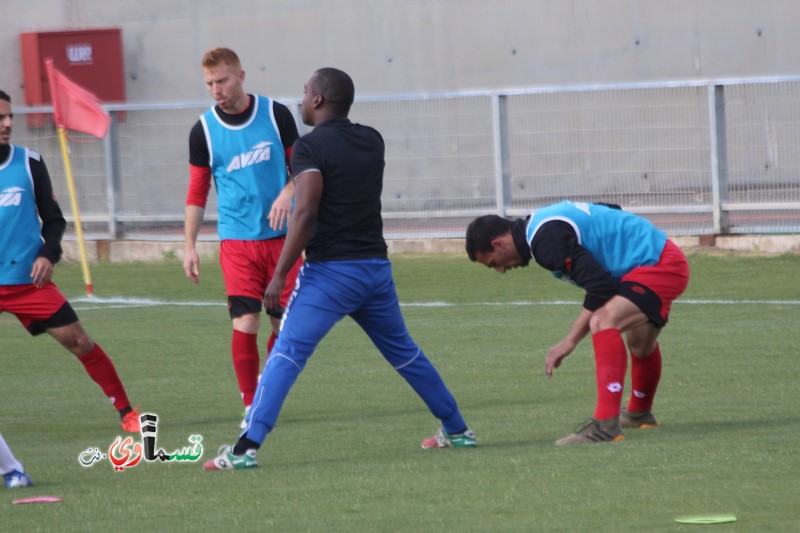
(74, 107)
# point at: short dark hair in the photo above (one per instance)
(4, 96)
(336, 87)
(482, 231)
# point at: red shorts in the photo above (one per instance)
(37, 309)
(654, 288)
(248, 267)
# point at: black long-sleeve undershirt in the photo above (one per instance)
(555, 247)
(53, 223)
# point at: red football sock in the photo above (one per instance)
(100, 368)
(244, 349)
(271, 342)
(611, 363)
(645, 376)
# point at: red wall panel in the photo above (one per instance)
(90, 58)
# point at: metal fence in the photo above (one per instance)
(696, 157)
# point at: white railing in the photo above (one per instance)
(697, 157)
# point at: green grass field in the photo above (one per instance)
(345, 455)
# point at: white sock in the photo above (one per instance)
(8, 463)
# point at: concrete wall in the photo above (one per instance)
(422, 46)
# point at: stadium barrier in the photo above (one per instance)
(698, 157)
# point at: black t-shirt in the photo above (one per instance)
(350, 158)
(198, 147)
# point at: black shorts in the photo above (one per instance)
(63, 317)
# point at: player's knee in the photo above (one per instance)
(83, 344)
(601, 320)
(73, 338)
(400, 359)
(79, 345)
(641, 348)
(247, 323)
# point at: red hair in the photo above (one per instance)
(218, 56)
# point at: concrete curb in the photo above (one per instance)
(125, 251)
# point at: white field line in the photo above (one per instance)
(118, 302)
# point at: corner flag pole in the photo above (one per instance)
(76, 108)
(87, 278)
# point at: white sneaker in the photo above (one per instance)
(444, 440)
(227, 461)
